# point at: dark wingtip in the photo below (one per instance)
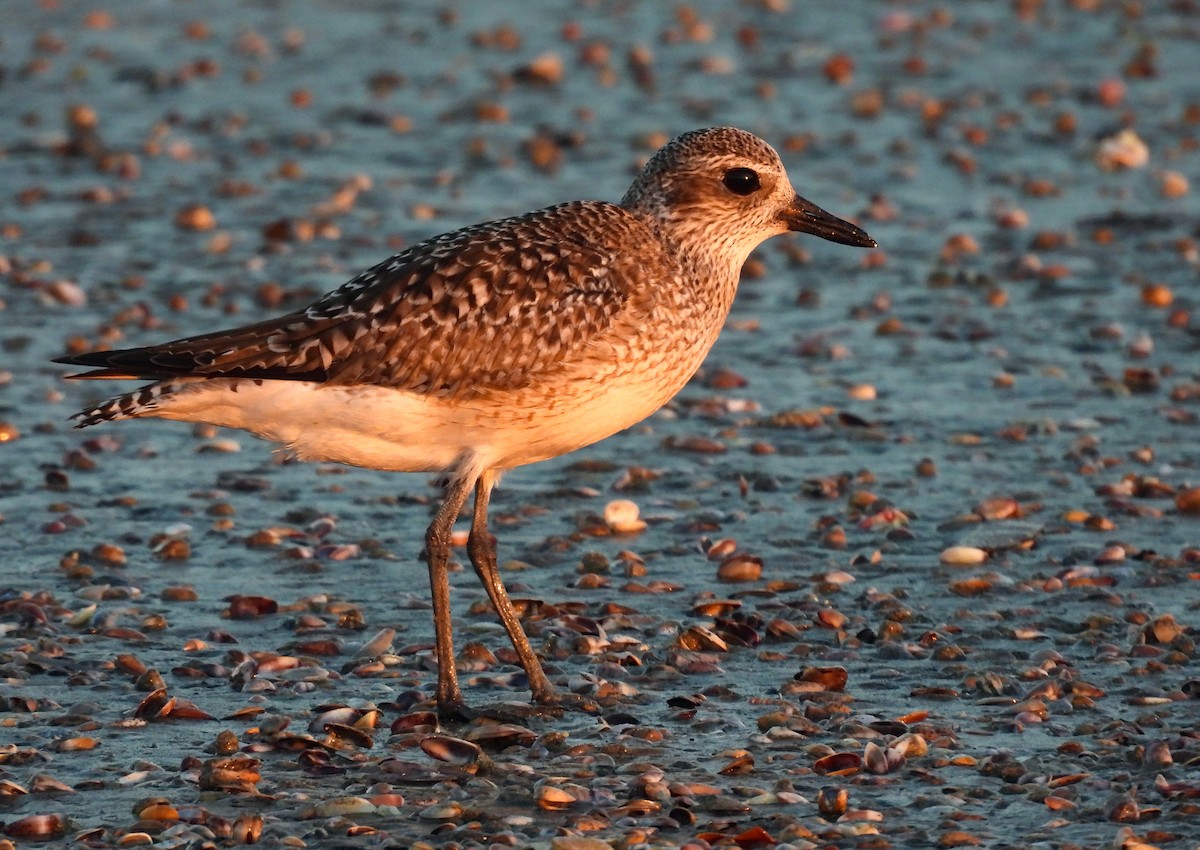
(102, 363)
(88, 358)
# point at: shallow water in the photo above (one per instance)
(1037, 370)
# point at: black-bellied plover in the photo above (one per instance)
(493, 346)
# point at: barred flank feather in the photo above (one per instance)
(128, 406)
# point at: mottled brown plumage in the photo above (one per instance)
(493, 346)
(490, 307)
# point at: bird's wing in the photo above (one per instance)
(493, 306)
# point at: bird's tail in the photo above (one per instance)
(141, 402)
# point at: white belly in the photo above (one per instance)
(382, 428)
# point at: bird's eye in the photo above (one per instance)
(741, 181)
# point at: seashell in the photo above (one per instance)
(276, 664)
(723, 805)
(698, 638)
(417, 722)
(83, 616)
(1125, 149)
(590, 645)
(829, 678)
(343, 714)
(870, 815)
(1163, 630)
(832, 802)
(880, 760)
(637, 808)
(780, 630)
(740, 568)
(830, 619)
(156, 808)
(129, 664)
(369, 719)
(321, 526)
(552, 798)
(343, 807)
(716, 607)
(340, 735)
(501, 736)
(621, 517)
(8, 788)
(235, 773)
(447, 811)
(338, 551)
(250, 607)
(40, 783)
(721, 549)
(135, 777)
(379, 644)
(971, 586)
(451, 750)
(1123, 808)
(962, 556)
(38, 827)
(1157, 755)
(389, 800)
(179, 593)
(840, 764)
(911, 745)
(67, 292)
(738, 633)
(247, 829)
(740, 766)
(999, 508)
(151, 704)
(1187, 501)
(75, 745)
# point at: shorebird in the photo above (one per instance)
(493, 346)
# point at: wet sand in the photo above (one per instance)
(967, 463)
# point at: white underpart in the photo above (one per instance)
(400, 431)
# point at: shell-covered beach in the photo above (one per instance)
(913, 561)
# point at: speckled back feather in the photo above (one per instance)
(487, 307)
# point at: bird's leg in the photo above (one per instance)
(483, 558)
(437, 551)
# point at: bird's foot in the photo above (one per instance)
(557, 701)
(551, 704)
(452, 708)
(505, 712)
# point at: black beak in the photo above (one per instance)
(806, 217)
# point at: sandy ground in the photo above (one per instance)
(1013, 372)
